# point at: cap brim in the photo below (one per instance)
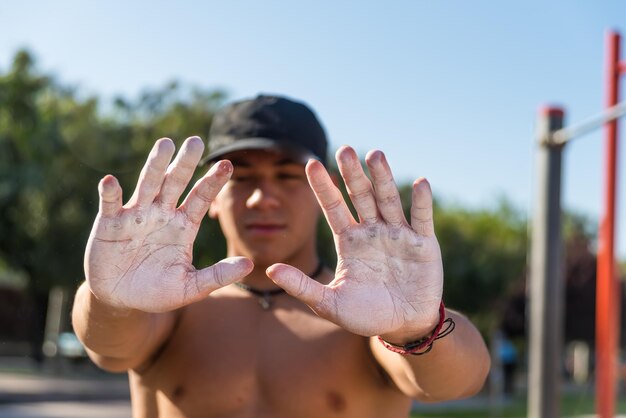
(300, 154)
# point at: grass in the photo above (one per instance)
(572, 404)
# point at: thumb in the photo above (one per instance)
(301, 286)
(222, 273)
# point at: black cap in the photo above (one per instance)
(267, 122)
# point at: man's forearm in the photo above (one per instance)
(117, 339)
(456, 367)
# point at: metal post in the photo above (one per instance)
(546, 281)
(608, 291)
(55, 323)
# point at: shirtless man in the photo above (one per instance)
(223, 341)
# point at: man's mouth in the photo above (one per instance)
(265, 228)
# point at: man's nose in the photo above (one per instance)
(264, 196)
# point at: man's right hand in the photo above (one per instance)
(139, 255)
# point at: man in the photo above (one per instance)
(225, 341)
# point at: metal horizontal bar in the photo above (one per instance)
(564, 135)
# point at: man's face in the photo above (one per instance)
(267, 210)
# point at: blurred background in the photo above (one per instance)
(450, 91)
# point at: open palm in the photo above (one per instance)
(389, 275)
(140, 255)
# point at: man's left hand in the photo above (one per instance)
(389, 276)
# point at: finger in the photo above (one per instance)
(329, 197)
(110, 196)
(180, 171)
(385, 190)
(224, 272)
(203, 193)
(153, 171)
(422, 208)
(301, 286)
(358, 185)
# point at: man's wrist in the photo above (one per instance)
(111, 309)
(422, 345)
(405, 336)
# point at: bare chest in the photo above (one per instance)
(229, 357)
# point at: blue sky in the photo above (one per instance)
(448, 89)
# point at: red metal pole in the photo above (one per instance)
(608, 297)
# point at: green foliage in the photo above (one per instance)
(54, 148)
(38, 209)
(484, 252)
(577, 403)
(484, 255)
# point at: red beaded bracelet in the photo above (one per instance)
(423, 345)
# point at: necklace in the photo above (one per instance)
(265, 296)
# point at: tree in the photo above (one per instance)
(38, 211)
(580, 279)
(53, 150)
(579, 273)
(484, 255)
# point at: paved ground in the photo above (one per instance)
(82, 409)
(83, 391)
(68, 392)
